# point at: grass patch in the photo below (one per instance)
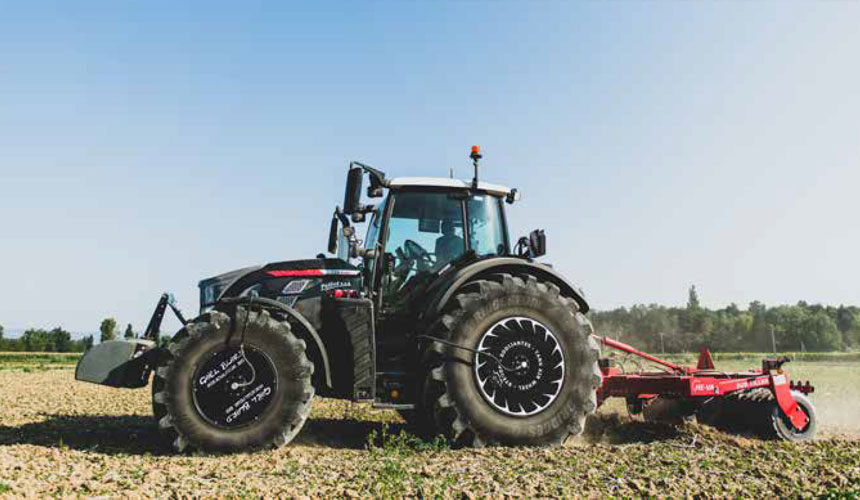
(841, 494)
(44, 358)
(29, 362)
(392, 473)
(401, 444)
(5, 488)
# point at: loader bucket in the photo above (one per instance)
(118, 363)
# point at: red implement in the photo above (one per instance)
(701, 385)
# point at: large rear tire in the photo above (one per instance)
(233, 384)
(546, 382)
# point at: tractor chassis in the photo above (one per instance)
(697, 385)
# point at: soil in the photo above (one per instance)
(61, 437)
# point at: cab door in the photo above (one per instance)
(424, 231)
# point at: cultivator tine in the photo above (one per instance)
(667, 411)
(745, 412)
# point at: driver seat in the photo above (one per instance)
(448, 246)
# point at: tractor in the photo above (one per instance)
(433, 314)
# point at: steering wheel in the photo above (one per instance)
(414, 252)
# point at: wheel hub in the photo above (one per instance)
(234, 386)
(524, 370)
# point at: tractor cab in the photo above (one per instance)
(422, 228)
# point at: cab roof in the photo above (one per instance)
(447, 183)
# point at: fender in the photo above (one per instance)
(294, 315)
(448, 284)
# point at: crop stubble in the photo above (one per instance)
(60, 437)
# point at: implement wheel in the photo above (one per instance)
(538, 381)
(782, 424)
(233, 384)
(756, 412)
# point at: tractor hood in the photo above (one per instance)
(274, 280)
(211, 288)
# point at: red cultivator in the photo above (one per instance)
(761, 401)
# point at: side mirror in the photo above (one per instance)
(537, 243)
(374, 190)
(513, 196)
(332, 235)
(352, 196)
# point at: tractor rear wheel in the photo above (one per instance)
(233, 384)
(531, 374)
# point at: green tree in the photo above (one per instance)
(108, 329)
(1, 332)
(129, 332)
(696, 323)
(693, 299)
(845, 320)
(86, 343)
(60, 339)
(36, 340)
(820, 332)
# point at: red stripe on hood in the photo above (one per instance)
(296, 272)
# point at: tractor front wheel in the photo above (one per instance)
(231, 384)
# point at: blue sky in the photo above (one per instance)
(146, 145)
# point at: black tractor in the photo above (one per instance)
(434, 315)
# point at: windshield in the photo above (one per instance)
(426, 229)
(486, 225)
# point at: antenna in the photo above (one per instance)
(451, 172)
(475, 156)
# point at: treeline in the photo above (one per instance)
(39, 340)
(655, 328)
(59, 340)
(797, 328)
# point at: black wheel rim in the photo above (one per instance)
(531, 372)
(234, 386)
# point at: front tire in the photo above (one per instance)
(233, 384)
(546, 382)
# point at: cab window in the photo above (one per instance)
(425, 233)
(486, 225)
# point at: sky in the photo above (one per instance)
(147, 145)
